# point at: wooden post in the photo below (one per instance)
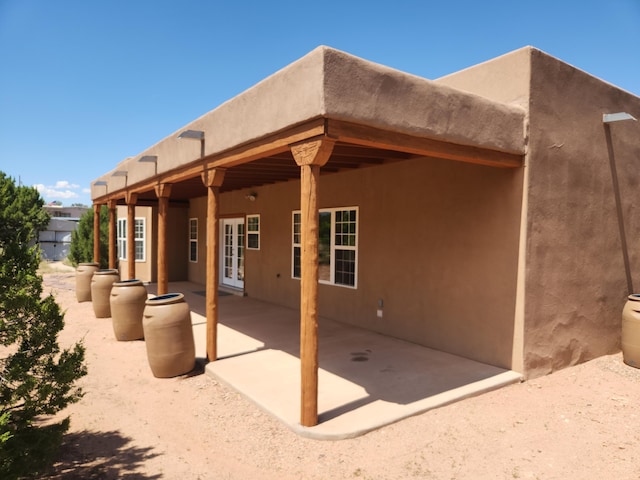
(131, 199)
(212, 179)
(310, 156)
(163, 192)
(96, 232)
(112, 234)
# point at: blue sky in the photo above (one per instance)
(85, 84)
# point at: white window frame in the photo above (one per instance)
(333, 246)
(192, 240)
(250, 232)
(140, 238)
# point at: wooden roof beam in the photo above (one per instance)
(378, 138)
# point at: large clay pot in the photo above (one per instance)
(101, 284)
(168, 335)
(631, 331)
(84, 274)
(128, 299)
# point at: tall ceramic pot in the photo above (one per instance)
(101, 284)
(128, 299)
(630, 335)
(168, 335)
(84, 274)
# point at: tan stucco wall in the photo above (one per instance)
(504, 79)
(196, 271)
(438, 243)
(234, 205)
(177, 244)
(371, 94)
(575, 282)
(144, 269)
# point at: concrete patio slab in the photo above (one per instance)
(366, 380)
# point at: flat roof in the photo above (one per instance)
(330, 92)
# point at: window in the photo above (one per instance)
(139, 235)
(297, 239)
(193, 239)
(122, 238)
(253, 232)
(337, 246)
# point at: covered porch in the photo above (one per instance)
(367, 380)
(309, 122)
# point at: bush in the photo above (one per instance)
(81, 250)
(36, 377)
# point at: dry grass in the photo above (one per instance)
(55, 267)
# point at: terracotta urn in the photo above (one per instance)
(101, 284)
(630, 335)
(128, 299)
(168, 335)
(84, 274)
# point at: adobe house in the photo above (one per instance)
(488, 214)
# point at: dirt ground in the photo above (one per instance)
(578, 423)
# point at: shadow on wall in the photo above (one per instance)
(618, 199)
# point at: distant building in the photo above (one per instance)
(57, 211)
(55, 241)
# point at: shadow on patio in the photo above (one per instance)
(366, 380)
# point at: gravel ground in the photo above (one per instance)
(578, 423)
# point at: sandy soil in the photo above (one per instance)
(578, 423)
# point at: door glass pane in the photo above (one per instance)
(296, 262)
(324, 247)
(193, 251)
(296, 245)
(228, 251)
(240, 249)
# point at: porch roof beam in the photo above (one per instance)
(378, 138)
(243, 154)
(275, 149)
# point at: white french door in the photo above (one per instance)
(232, 252)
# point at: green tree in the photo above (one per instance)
(81, 250)
(37, 378)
